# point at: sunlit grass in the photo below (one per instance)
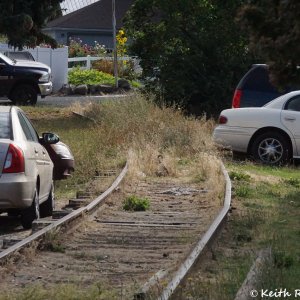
(266, 215)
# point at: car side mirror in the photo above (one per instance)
(50, 138)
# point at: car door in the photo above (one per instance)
(290, 118)
(42, 160)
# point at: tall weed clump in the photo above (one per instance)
(132, 129)
(149, 135)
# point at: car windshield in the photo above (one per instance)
(19, 55)
(4, 126)
(6, 59)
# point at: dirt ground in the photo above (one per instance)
(124, 249)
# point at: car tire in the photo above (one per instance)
(31, 213)
(271, 148)
(24, 94)
(47, 207)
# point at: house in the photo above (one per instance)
(89, 24)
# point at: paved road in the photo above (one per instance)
(68, 100)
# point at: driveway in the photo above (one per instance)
(68, 100)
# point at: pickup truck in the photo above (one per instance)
(21, 81)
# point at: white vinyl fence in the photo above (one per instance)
(88, 61)
(56, 59)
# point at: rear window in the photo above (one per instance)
(257, 79)
(4, 126)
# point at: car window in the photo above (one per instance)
(29, 131)
(293, 104)
(4, 126)
(19, 55)
(257, 79)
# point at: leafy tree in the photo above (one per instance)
(21, 21)
(192, 52)
(274, 28)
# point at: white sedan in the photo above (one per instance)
(271, 134)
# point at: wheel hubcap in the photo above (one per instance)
(270, 150)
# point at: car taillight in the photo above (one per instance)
(222, 120)
(14, 162)
(236, 101)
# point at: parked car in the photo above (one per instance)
(19, 55)
(271, 134)
(26, 169)
(255, 88)
(23, 80)
(62, 158)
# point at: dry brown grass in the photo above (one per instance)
(151, 137)
(135, 129)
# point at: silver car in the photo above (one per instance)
(26, 185)
(271, 134)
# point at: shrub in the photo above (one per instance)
(125, 68)
(77, 76)
(134, 203)
(78, 49)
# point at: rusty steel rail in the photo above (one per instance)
(37, 236)
(198, 250)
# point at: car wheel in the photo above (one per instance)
(31, 213)
(24, 94)
(271, 148)
(47, 207)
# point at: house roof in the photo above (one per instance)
(69, 6)
(95, 16)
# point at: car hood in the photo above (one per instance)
(31, 64)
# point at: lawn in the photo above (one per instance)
(265, 215)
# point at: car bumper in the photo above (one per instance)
(45, 88)
(16, 191)
(235, 138)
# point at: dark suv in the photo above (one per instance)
(23, 80)
(255, 89)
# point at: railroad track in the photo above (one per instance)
(143, 255)
(13, 238)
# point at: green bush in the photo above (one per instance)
(77, 76)
(134, 203)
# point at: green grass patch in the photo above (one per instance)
(134, 203)
(243, 191)
(239, 176)
(266, 215)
